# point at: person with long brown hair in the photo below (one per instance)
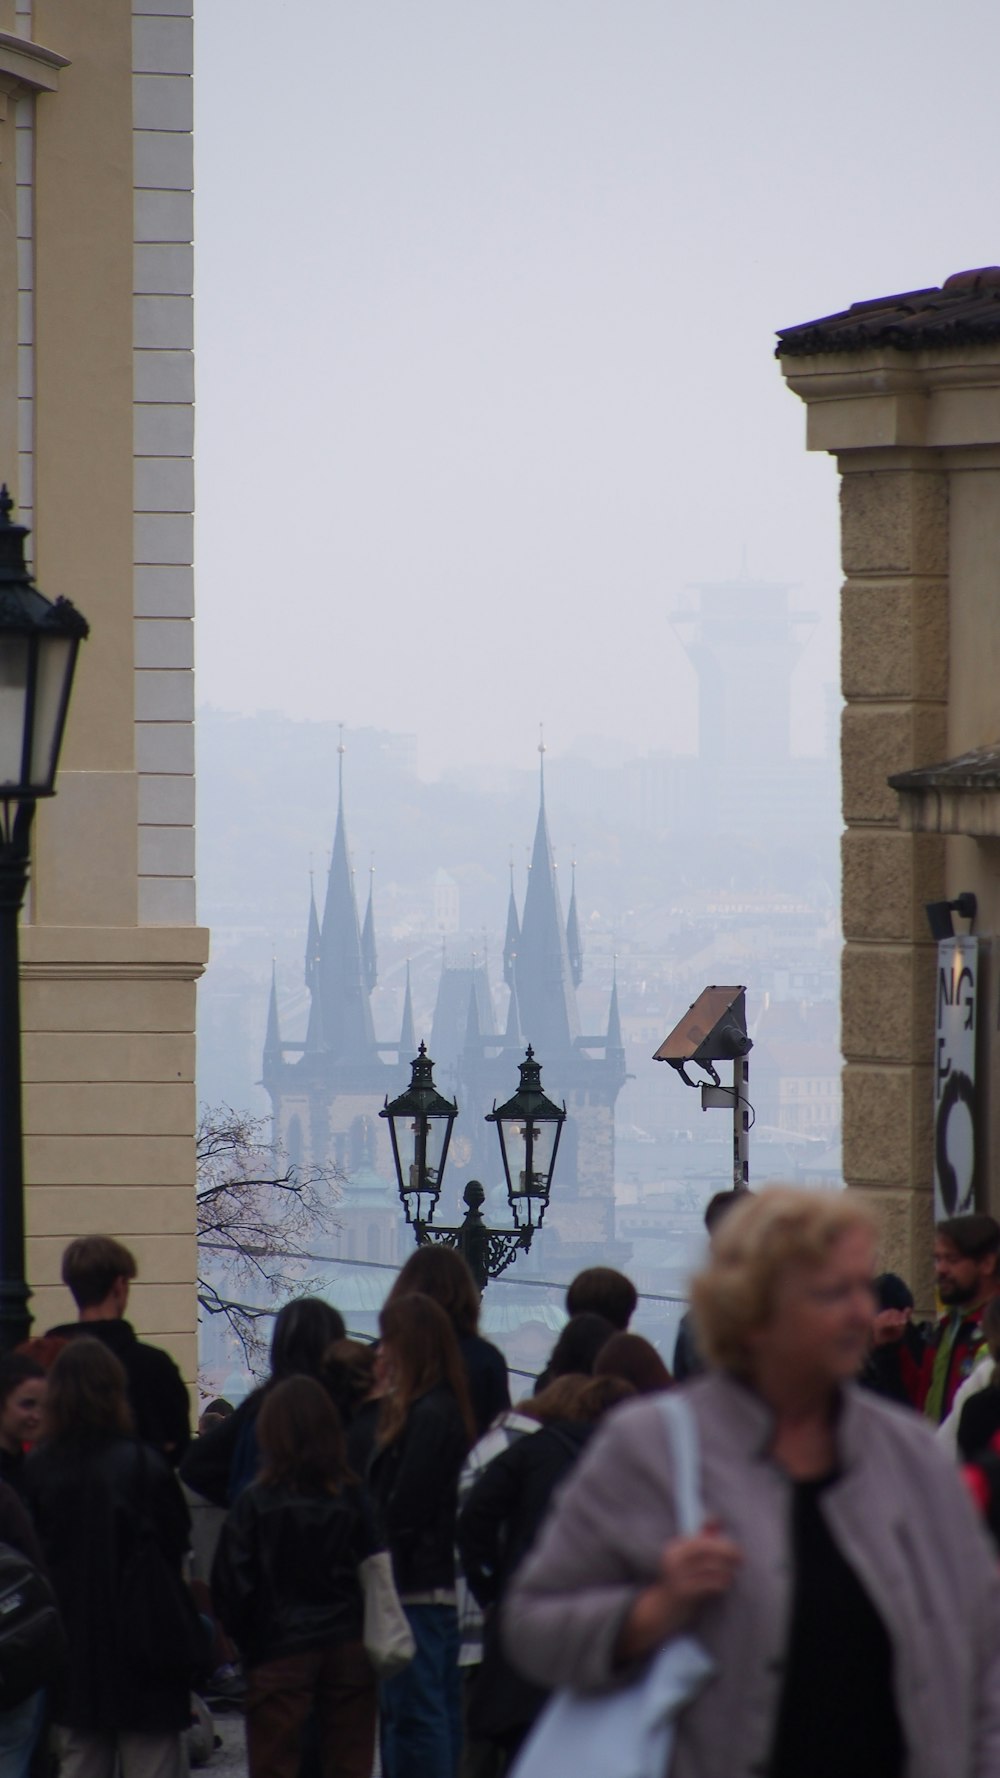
(426, 1426)
(285, 1584)
(443, 1275)
(94, 1493)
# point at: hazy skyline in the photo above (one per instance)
(486, 300)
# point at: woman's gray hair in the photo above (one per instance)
(752, 1251)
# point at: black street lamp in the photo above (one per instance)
(528, 1125)
(38, 648)
(420, 1124)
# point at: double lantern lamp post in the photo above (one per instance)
(39, 641)
(528, 1126)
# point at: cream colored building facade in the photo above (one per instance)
(96, 433)
(905, 394)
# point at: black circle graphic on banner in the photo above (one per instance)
(959, 1090)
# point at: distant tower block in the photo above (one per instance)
(744, 640)
(447, 902)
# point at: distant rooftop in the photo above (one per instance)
(964, 311)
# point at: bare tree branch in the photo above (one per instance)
(257, 1216)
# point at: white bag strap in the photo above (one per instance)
(682, 1432)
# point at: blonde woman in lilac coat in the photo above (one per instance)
(841, 1581)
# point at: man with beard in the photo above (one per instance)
(966, 1260)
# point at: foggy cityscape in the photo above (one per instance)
(670, 871)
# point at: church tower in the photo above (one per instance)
(543, 967)
(326, 1090)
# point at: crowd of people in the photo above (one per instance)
(843, 1582)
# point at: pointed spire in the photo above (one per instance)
(512, 1033)
(573, 944)
(545, 992)
(272, 1037)
(473, 1030)
(315, 1040)
(369, 958)
(312, 941)
(614, 1037)
(347, 1018)
(512, 937)
(541, 763)
(407, 1035)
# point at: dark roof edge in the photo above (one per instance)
(976, 770)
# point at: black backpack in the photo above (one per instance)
(32, 1639)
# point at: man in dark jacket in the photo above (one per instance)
(687, 1358)
(98, 1271)
(967, 1276)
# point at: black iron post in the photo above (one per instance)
(487, 1252)
(39, 641)
(15, 1321)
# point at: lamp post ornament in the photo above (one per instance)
(528, 1126)
(39, 641)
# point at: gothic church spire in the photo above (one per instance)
(347, 1017)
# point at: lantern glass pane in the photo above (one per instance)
(421, 1140)
(14, 669)
(55, 664)
(543, 1137)
(437, 1130)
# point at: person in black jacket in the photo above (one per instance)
(98, 1271)
(688, 1361)
(94, 1491)
(498, 1525)
(221, 1463)
(442, 1274)
(21, 1724)
(285, 1584)
(979, 1421)
(425, 1429)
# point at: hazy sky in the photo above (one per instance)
(486, 295)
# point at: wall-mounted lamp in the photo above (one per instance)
(939, 914)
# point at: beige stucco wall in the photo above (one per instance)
(95, 281)
(917, 443)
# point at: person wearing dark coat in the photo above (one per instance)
(688, 1361)
(425, 1429)
(893, 1366)
(498, 1526)
(221, 1463)
(576, 1349)
(443, 1275)
(285, 1583)
(98, 1271)
(21, 1725)
(93, 1491)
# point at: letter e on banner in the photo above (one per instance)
(955, 1078)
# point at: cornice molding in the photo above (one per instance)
(69, 971)
(28, 67)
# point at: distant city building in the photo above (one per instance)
(327, 1088)
(447, 903)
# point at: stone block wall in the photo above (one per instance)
(895, 682)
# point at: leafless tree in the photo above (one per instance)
(259, 1218)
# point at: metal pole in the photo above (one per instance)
(741, 1124)
(474, 1240)
(15, 1320)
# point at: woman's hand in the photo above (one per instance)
(692, 1571)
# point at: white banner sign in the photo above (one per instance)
(955, 1078)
